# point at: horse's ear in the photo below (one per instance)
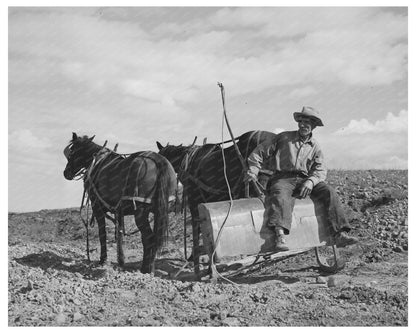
(159, 145)
(74, 136)
(91, 138)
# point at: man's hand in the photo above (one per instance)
(305, 189)
(250, 177)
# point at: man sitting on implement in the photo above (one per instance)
(298, 169)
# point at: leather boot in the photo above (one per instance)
(280, 243)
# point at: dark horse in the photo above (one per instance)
(201, 171)
(133, 184)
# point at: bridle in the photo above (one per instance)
(80, 174)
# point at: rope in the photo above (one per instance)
(228, 212)
(228, 184)
(205, 187)
(240, 157)
(256, 185)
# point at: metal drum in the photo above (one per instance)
(239, 228)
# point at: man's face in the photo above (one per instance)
(306, 126)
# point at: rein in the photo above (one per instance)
(186, 175)
(83, 172)
(89, 181)
(85, 221)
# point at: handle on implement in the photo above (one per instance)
(257, 189)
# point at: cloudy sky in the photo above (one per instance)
(137, 75)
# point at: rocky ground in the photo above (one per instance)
(50, 282)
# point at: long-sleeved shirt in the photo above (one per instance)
(288, 153)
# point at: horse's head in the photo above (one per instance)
(174, 154)
(79, 154)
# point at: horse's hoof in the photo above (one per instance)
(120, 261)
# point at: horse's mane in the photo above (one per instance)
(80, 138)
(172, 148)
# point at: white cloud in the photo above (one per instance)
(24, 139)
(250, 49)
(353, 45)
(302, 92)
(278, 130)
(368, 145)
(143, 89)
(395, 162)
(391, 124)
(350, 161)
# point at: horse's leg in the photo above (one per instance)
(141, 217)
(119, 237)
(115, 227)
(100, 218)
(195, 238)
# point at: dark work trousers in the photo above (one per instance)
(280, 200)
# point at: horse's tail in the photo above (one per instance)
(161, 200)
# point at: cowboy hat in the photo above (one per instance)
(308, 112)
